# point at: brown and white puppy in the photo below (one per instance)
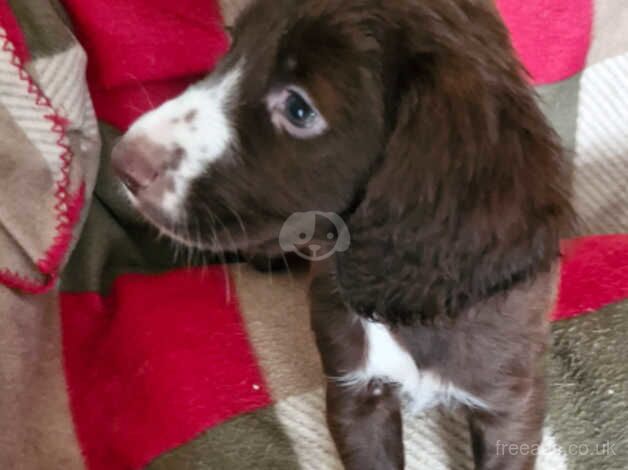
(413, 122)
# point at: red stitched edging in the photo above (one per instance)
(16, 281)
(58, 250)
(67, 208)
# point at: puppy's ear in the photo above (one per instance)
(471, 193)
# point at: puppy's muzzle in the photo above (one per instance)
(145, 167)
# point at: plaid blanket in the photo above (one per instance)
(116, 354)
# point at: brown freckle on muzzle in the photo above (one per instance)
(190, 116)
(179, 155)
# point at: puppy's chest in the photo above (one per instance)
(388, 361)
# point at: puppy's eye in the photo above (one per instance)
(292, 110)
(298, 111)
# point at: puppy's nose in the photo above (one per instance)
(314, 247)
(139, 162)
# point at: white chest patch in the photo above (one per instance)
(387, 360)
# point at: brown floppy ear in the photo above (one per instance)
(471, 194)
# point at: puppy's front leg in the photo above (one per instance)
(366, 425)
(364, 419)
(510, 439)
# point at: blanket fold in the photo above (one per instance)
(50, 148)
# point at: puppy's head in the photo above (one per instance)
(291, 121)
(411, 120)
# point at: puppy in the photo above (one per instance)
(413, 122)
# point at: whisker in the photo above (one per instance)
(219, 251)
(241, 224)
(287, 264)
(144, 90)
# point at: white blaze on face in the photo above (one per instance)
(197, 126)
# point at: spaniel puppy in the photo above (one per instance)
(413, 122)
